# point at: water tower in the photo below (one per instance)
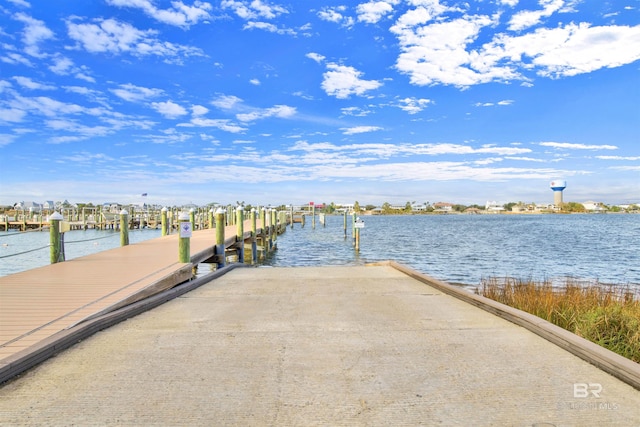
(557, 186)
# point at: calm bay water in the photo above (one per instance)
(77, 243)
(456, 248)
(466, 248)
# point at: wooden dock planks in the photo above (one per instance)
(38, 303)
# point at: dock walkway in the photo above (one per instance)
(39, 303)
(357, 345)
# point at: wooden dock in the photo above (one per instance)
(38, 304)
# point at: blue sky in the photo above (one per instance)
(327, 101)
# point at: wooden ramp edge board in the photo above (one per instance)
(614, 364)
(14, 365)
(168, 281)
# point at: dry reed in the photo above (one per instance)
(606, 315)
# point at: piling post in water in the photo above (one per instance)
(211, 224)
(264, 232)
(357, 230)
(274, 226)
(229, 215)
(163, 219)
(268, 231)
(240, 233)
(345, 223)
(292, 216)
(220, 224)
(184, 240)
(353, 229)
(133, 216)
(302, 219)
(192, 218)
(313, 216)
(270, 227)
(55, 239)
(124, 227)
(254, 230)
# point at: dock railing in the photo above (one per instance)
(251, 243)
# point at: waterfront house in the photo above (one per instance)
(591, 206)
(443, 207)
(494, 207)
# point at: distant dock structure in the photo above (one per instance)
(558, 186)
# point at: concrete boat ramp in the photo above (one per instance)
(359, 345)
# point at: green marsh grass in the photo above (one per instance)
(606, 315)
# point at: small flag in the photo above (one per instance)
(144, 194)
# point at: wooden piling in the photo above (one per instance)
(163, 219)
(254, 231)
(313, 216)
(265, 233)
(345, 223)
(55, 238)
(240, 233)
(184, 240)
(192, 218)
(274, 218)
(353, 229)
(124, 228)
(220, 224)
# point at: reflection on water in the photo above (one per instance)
(455, 248)
(34, 246)
(467, 248)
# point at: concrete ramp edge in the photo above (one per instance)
(608, 361)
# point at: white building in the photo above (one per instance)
(493, 206)
(594, 206)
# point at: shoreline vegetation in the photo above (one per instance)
(607, 315)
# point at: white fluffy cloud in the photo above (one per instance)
(222, 124)
(436, 49)
(169, 109)
(374, 11)
(28, 83)
(279, 111)
(179, 14)
(529, 18)
(35, 32)
(226, 102)
(115, 37)
(570, 50)
(316, 57)
(336, 14)
(254, 9)
(574, 146)
(414, 105)
(133, 93)
(360, 129)
(342, 81)
(269, 27)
